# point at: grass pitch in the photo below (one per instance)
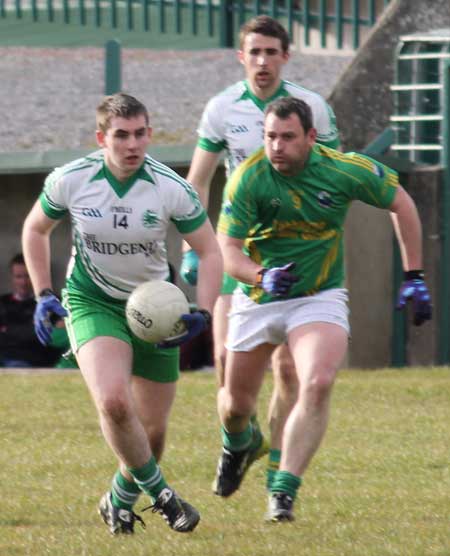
(379, 485)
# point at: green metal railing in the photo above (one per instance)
(216, 18)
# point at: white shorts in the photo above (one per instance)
(251, 324)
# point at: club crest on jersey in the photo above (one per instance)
(324, 199)
(378, 170)
(227, 208)
(149, 219)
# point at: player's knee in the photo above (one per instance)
(319, 386)
(115, 408)
(238, 405)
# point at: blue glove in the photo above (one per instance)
(48, 310)
(189, 267)
(415, 289)
(278, 280)
(195, 322)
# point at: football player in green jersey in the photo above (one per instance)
(233, 122)
(121, 203)
(281, 233)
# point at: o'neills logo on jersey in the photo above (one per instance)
(123, 248)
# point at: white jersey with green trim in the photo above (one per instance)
(119, 229)
(234, 120)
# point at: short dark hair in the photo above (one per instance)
(285, 106)
(267, 26)
(17, 259)
(119, 105)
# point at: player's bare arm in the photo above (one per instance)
(408, 229)
(201, 172)
(36, 247)
(236, 263)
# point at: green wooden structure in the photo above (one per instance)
(220, 19)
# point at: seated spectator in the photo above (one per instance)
(19, 346)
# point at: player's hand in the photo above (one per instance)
(278, 280)
(195, 322)
(48, 310)
(415, 290)
(189, 267)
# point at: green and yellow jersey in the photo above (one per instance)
(301, 218)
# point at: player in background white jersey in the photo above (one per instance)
(233, 121)
(121, 203)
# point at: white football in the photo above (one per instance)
(153, 311)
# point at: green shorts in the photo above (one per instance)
(90, 317)
(229, 284)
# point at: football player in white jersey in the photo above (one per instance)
(121, 202)
(233, 122)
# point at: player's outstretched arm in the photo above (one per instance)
(408, 230)
(203, 166)
(201, 172)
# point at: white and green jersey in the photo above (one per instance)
(234, 120)
(119, 229)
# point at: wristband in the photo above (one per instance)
(414, 275)
(44, 292)
(207, 316)
(260, 276)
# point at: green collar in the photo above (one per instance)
(122, 188)
(261, 104)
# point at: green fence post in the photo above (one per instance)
(226, 24)
(444, 354)
(355, 23)
(113, 80)
(97, 13)
(129, 15)
(66, 11)
(34, 10)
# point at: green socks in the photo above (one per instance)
(284, 481)
(272, 467)
(124, 493)
(149, 478)
(240, 441)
